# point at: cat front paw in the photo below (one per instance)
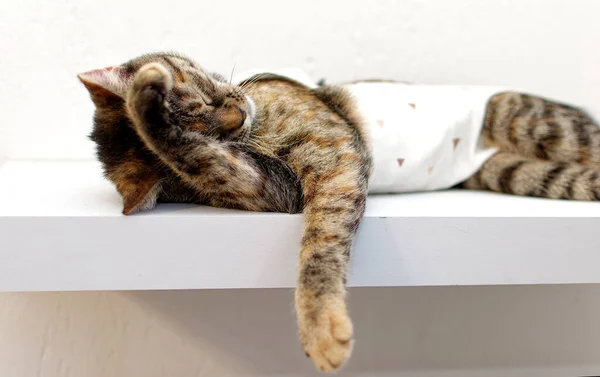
(325, 330)
(150, 86)
(155, 76)
(146, 100)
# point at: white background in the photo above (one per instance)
(545, 46)
(550, 47)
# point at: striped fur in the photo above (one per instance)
(547, 149)
(170, 131)
(306, 150)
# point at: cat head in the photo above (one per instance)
(199, 100)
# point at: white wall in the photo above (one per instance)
(428, 332)
(545, 46)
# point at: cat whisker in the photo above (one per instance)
(231, 76)
(252, 80)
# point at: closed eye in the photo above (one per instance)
(206, 100)
(194, 107)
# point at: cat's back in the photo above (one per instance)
(421, 137)
(298, 121)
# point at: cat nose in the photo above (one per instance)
(232, 118)
(243, 114)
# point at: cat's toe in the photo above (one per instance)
(327, 337)
(154, 75)
(150, 87)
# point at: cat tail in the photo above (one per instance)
(514, 174)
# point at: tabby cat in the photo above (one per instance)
(166, 130)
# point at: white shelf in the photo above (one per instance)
(61, 229)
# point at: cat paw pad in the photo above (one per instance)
(327, 338)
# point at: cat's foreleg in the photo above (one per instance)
(334, 205)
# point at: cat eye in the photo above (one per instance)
(196, 105)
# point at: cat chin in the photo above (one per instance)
(243, 133)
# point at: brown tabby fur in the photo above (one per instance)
(178, 133)
(547, 149)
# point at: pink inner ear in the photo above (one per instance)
(96, 74)
(113, 79)
(103, 71)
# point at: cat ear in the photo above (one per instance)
(140, 193)
(141, 196)
(139, 189)
(106, 83)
